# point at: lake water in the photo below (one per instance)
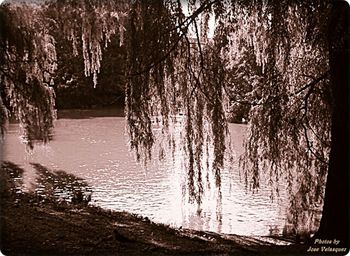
(96, 150)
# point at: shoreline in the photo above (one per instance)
(33, 226)
(111, 111)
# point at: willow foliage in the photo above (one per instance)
(289, 98)
(172, 75)
(28, 59)
(91, 24)
(268, 55)
(289, 128)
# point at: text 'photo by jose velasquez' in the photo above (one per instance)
(174, 127)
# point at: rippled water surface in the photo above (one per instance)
(96, 150)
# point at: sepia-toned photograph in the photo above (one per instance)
(174, 127)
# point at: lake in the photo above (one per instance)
(96, 149)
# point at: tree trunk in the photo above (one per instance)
(335, 218)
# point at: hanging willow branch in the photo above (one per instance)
(28, 59)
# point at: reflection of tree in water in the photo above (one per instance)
(61, 186)
(11, 178)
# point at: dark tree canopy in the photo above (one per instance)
(189, 65)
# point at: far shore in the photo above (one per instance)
(111, 111)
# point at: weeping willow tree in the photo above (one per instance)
(28, 55)
(182, 78)
(171, 72)
(290, 103)
(289, 128)
(28, 59)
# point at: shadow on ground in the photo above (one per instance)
(61, 186)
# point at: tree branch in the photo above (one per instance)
(197, 81)
(313, 83)
(199, 45)
(190, 19)
(310, 148)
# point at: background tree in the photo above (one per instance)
(73, 88)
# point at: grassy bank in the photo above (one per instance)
(31, 225)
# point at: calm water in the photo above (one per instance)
(96, 150)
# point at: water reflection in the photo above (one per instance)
(11, 178)
(61, 186)
(96, 149)
(50, 184)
